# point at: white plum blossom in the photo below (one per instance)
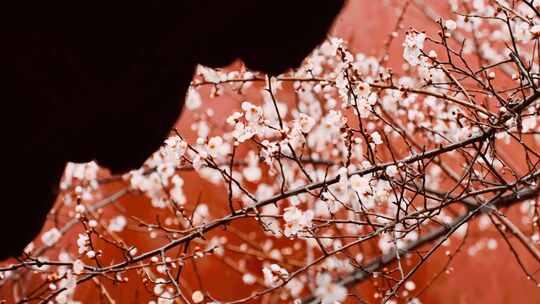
(202, 128)
(209, 74)
(529, 123)
(166, 298)
(252, 172)
(492, 244)
(410, 285)
(334, 119)
(177, 192)
(217, 148)
(450, 25)
(172, 152)
(117, 224)
(376, 137)
(363, 89)
(82, 243)
(67, 286)
(50, 237)
(193, 99)
(248, 279)
(234, 118)
(304, 123)
(296, 220)
(329, 292)
(197, 296)
(242, 132)
(413, 45)
(269, 108)
(81, 171)
(200, 214)
(329, 47)
(522, 31)
(271, 223)
(360, 184)
(274, 275)
(78, 267)
(535, 30)
(295, 287)
(392, 170)
(252, 113)
(385, 243)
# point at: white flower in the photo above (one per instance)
(177, 181)
(80, 208)
(233, 118)
(193, 99)
(363, 89)
(200, 214)
(295, 287)
(450, 25)
(252, 172)
(197, 296)
(117, 224)
(50, 237)
(360, 184)
(177, 195)
(342, 85)
(248, 279)
(78, 267)
(209, 74)
(159, 287)
(242, 132)
(296, 220)
(385, 243)
(305, 123)
(343, 177)
(69, 283)
(81, 171)
(165, 298)
(82, 243)
(410, 285)
(376, 137)
(528, 123)
(252, 112)
(159, 202)
(216, 147)
(274, 274)
(391, 170)
(334, 119)
(329, 47)
(269, 108)
(521, 31)
(535, 30)
(413, 45)
(491, 244)
(173, 150)
(329, 292)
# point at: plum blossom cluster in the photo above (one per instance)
(351, 169)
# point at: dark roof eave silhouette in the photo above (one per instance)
(105, 81)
